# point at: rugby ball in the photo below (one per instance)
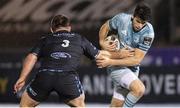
(111, 39)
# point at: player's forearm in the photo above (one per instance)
(130, 61)
(28, 65)
(116, 55)
(103, 33)
(122, 53)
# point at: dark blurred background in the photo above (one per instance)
(23, 22)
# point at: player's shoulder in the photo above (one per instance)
(123, 16)
(75, 34)
(149, 29)
(149, 26)
(44, 36)
(78, 37)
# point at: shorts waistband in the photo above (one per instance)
(51, 70)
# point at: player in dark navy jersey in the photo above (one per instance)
(60, 53)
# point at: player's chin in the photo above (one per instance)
(136, 29)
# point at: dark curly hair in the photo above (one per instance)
(59, 21)
(143, 11)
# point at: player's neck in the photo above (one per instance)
(63, 29)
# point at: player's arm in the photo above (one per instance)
(112, 24)
(103, 32)
(129, 61)
(92, 52)
(139, 53)
(28, 65)
(122, 53)
(31, 58)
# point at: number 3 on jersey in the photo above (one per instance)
(65, 43)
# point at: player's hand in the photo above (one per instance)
(109, 46)
(103, 62)
(103, 53)
(125, 52)
(19, 84)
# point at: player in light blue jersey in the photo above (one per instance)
(134, 33)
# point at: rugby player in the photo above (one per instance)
(60, 54)
(134, 33)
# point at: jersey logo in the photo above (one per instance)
(58, 55)
(124, 32)
(136, 39)
(147, 41)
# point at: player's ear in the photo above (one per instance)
(51, 30)
(132, 18)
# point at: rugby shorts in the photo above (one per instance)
(66, 84)
(122, 78)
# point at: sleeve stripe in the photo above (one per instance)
(97, 54)
(34, 53)
(144, 49)
(144, 46)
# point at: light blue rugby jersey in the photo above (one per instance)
(142, 39)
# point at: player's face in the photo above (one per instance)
(138, 24)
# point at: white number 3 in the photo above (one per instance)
(65, 43)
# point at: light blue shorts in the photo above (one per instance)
(122, 78)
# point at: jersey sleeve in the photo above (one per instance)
(36, 50)
(89, 49)
(115, 22)
(146, 40)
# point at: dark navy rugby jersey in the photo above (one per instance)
(63, 50)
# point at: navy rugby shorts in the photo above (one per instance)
(66, 84)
